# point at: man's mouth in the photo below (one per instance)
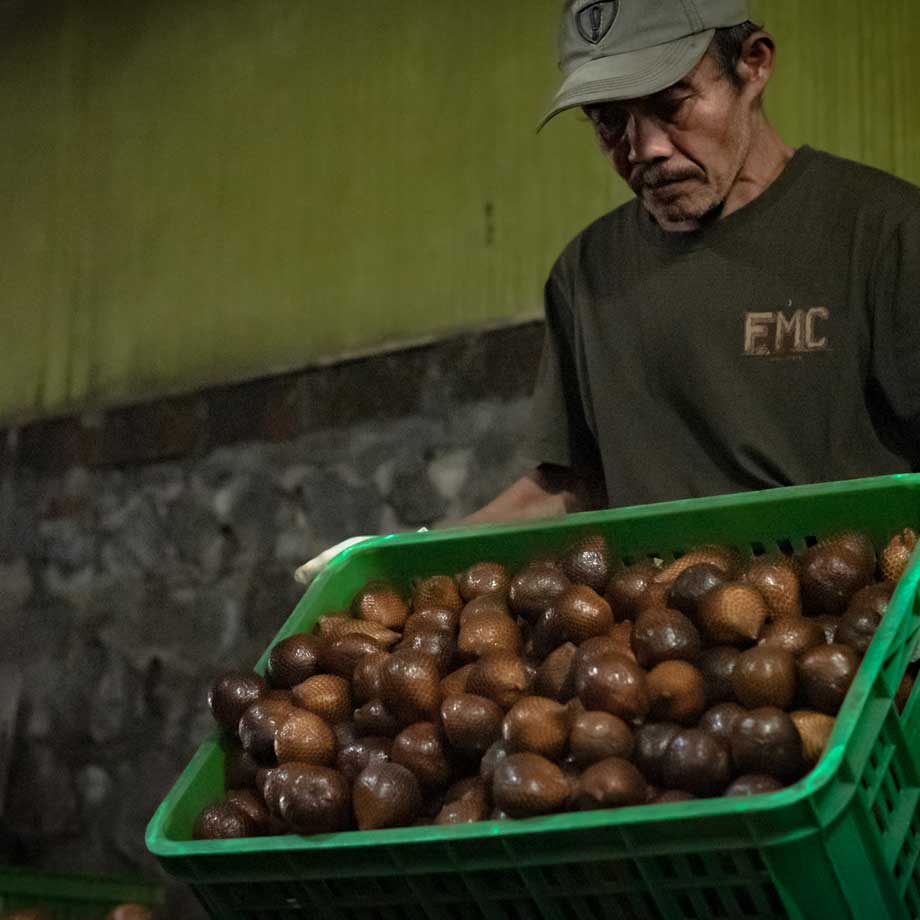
(666, 183)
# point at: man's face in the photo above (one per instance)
(680, 150)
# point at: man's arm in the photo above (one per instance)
(545, 492)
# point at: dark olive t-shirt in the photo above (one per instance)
(777, 346)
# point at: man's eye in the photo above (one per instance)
(612, 124)
(669, 108)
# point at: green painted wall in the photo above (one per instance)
(196, 192)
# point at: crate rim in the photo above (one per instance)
(816, 779)
(589, 518)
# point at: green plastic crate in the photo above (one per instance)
(841, 843)
(70, 897)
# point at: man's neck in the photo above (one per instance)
(767, 157)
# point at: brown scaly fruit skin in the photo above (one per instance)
(621, 633)
(437, 591)
(858, 625)
(501, 677)
(857, 543)
(305, 738)
(765, 676)
(432, 618)
(593, 648)
(831, 574)
(232, 694)
(610, 783)
(556, 674)
(484, 578)
(652, 742)
(720, 720)
(240, 767)
(765, 740)
(829, 625)
(438, 644)
(814, 729)
(545, 635)
(677, 693)
(471, 787)
(374, 719)
(660, 634)
(717, 665)
(588, 563)
(330, 628)
(696, 762)
(494, 755)
(780, 586)
(386, 795)
(462, 811)
(627, 587)
(726, 558)
(293, 660)
(583, 614)
(222, 821)
(457, 681)
(537, 724)
(410, 686)
(485, 603)
(472, 723)
(381, 602)
(315, 800)
(527, 784)
(365, 680)
(656, 595)
(534, 589)
(732, 614)
(420, 748)
(796, 635)
(341, 656)
(598, 735)
(488, 631)
(354, 756)
(326, 695)
(253, 806)
(259, 725)
(687, 591)
(825, 674)
(613, 683)
(895, 557)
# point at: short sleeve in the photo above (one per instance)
(896, 336)
(561, 435)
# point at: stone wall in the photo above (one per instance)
(144, 550)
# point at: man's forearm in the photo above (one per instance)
(541, 493)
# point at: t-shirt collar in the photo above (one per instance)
(697, 239)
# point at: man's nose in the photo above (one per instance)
(648, 140)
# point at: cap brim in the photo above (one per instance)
(630, 74)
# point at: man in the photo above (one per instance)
(750, 319)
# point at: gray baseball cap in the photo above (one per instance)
(624, 49)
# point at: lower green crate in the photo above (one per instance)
(843, 842)
(71, 897)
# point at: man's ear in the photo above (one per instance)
(756, 61)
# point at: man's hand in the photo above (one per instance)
(309, 570)
(547, 491)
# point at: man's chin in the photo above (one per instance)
(680, 213)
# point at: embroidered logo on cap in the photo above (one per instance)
(596, 20)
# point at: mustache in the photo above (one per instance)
(656, 176)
